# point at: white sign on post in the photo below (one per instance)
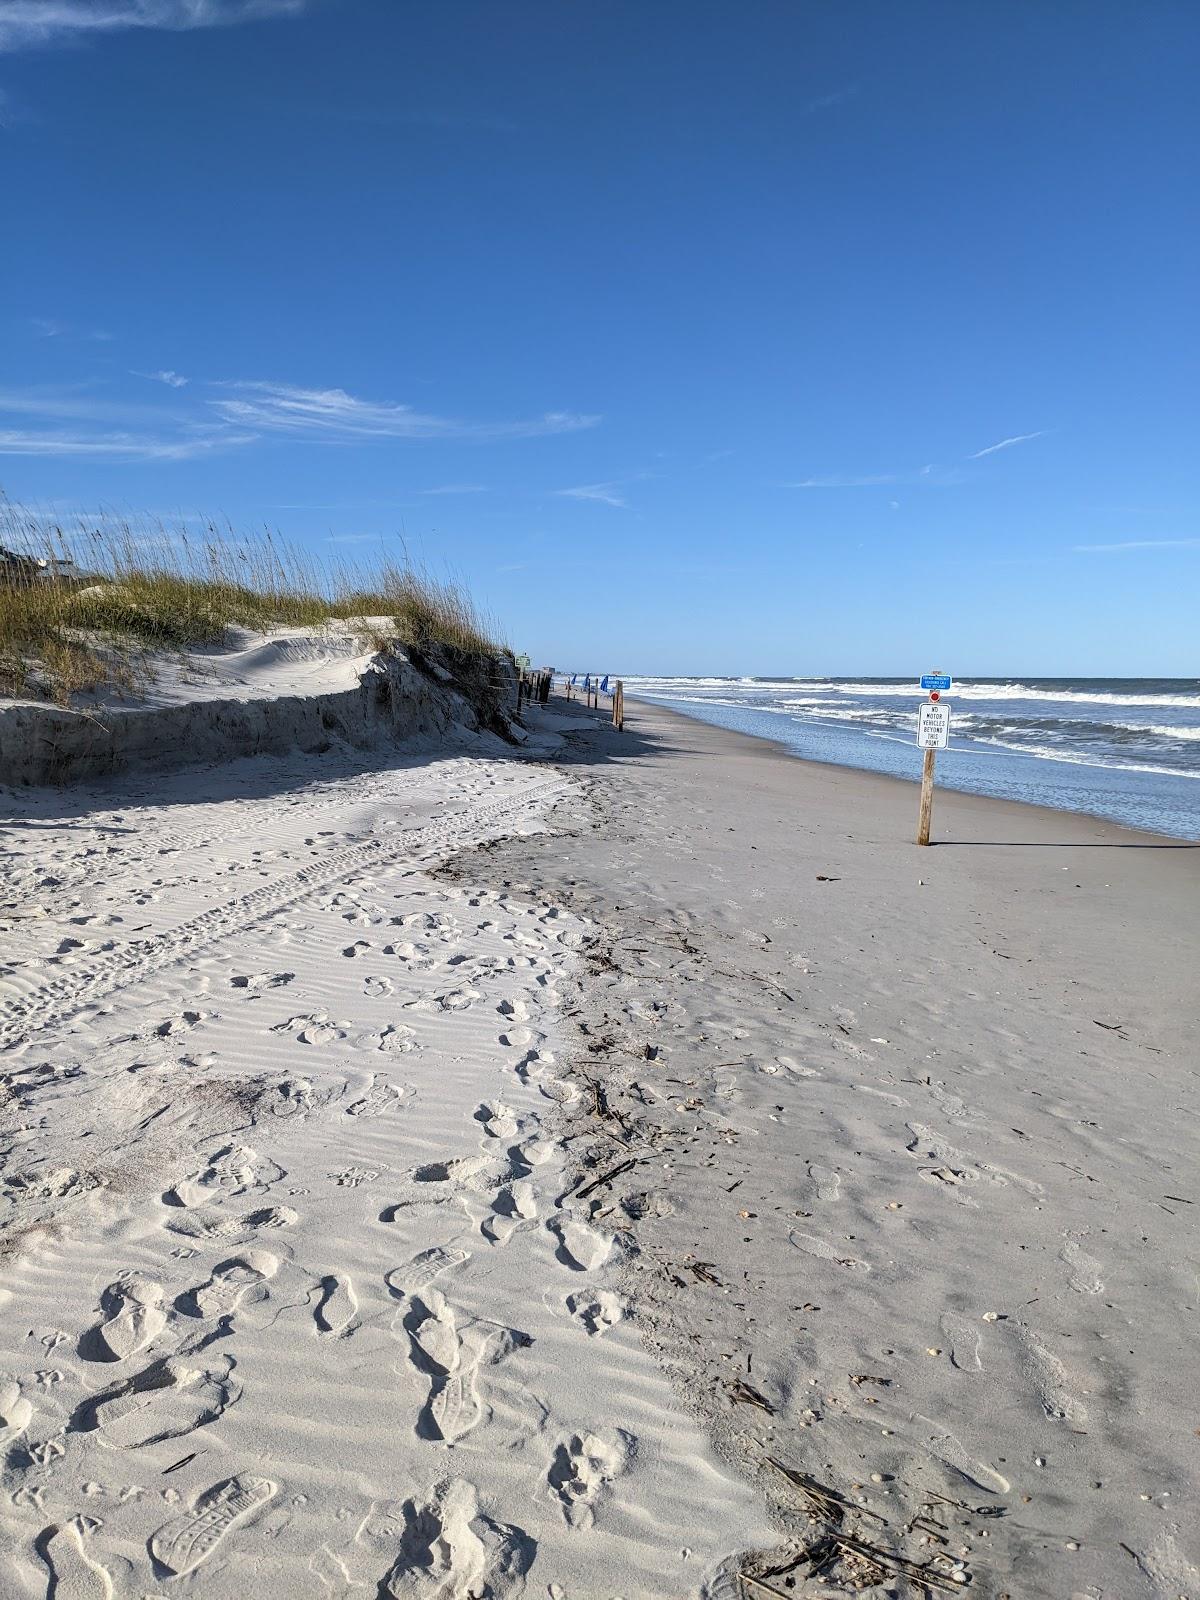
(933, 725)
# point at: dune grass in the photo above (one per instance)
(114, 593)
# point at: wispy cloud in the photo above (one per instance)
(117, 446)
(25, 23)
(338, 417)
(82, 403)
(605, 493)
(1137, 544)
(172, 379)
(458, 488)
(52, 328)
(1006, 444)
(842, 483)
(92, 423)
(836, 97)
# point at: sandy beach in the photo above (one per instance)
(629, 1169)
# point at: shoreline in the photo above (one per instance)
(1021, 770)
(943, 795)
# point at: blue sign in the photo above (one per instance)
(935, 680)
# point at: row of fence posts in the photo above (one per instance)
(591, 697)
(534, 687)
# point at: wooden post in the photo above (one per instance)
(926, 814)
(520, 680)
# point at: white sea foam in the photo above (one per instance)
(1076, 758)
(1021, 691)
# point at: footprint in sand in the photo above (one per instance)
(824, 1251)
(235, 1169)
(560, 1090)
(796, 1068)
(73, 1573)
(597, 1311)
(165, 1401)
(514, 1206)
(416, 957)
(520, 1039)
(955, 1168)
(182, 1544)
(316, 1028)
(952, 1453)
(290, 1097)
(221, 1230)
(448, 1548)
(879, 1094)
(498, 1120)
(1084, 1270)
(231, 1281)
(356, 948)
(517, 1010)
(256, 981)
(378, 988)
(583, 1468)
(438, 924)
(580, 1246)
(452, 1000)
(954, 1180)
(378, 1097)
(482, 1174)
(420, 1272)
(15, 1410)
(1048, 1377)
(336, 1306)
(131, 1317)
(965, 1340)
(533, 1152)
(825, 1181)
(433, 1331)
(450, 1355)
(394, 1040)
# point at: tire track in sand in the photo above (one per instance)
(54, 1002)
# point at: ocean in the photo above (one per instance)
(1123, 748)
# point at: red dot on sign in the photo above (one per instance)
(935, 694)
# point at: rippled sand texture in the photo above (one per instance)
(297, 1299)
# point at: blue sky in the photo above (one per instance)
(738, 337)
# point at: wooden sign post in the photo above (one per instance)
(933, 734)
(925, 816)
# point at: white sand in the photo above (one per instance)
(293, 1301)
(467, 1176)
